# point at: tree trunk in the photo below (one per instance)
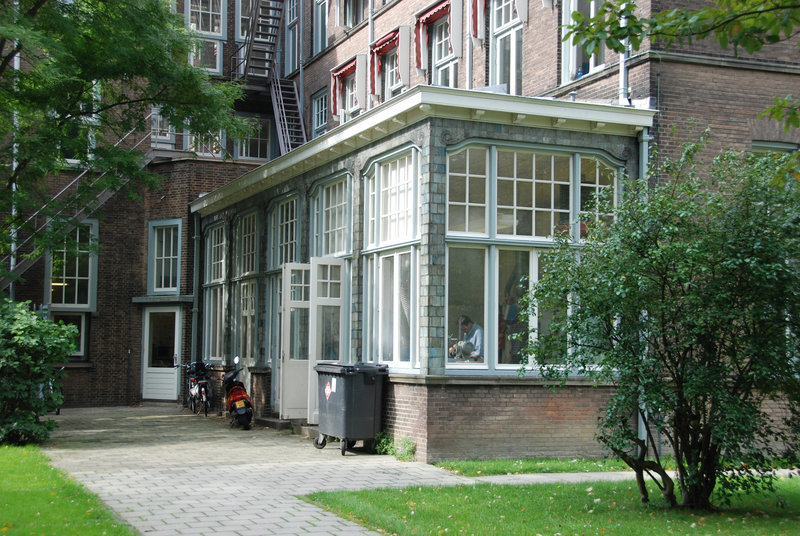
(639, 465)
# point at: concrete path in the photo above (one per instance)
(166, 472)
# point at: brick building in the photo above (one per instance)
(421, 155)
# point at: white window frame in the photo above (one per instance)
(444, 63)
(353, 12)
(198, 58)
(391, 193)
(349, 88)
(78, 320)
(247, 300)
(247, 230)
(259, 140)
(351, 108)
(291, 37)
(88, 123)
(71, 270)
(284, 227)
(590, 171)
(246, 285)
(506, 63)
(332, 217)
(159, 257)
(214, 293)
(393, 84)
(387, 325)
(207, 17)
(571, 54)
(162, 134)
(242, 19)
(209, 146)
(319, 105)
(320, 30)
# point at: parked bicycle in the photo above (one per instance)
(53, 391)
(199, 392)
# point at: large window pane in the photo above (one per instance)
(298, 333)
(513, 273)
(467, 191)
(70, 276)
(466, 281)
(553, 351)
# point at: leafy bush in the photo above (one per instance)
(688, 303)
(29, 346)
(403, 448)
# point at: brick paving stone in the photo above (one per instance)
(166, 471)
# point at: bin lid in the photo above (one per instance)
(334, 367)
(370, 368)
(347, 369)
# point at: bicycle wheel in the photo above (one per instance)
(204, 396)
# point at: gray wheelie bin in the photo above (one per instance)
(350, 401)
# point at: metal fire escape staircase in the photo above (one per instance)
(257, 63)
(38, 222)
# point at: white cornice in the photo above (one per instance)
(415, 105)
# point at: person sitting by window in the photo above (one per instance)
(471, 346)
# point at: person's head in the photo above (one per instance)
(464, 323)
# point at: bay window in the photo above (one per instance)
(390, 270)
(505, 205)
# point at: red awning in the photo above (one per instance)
(337, 78)
(421, 30)
(381, 47)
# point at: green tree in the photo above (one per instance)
(688, 303)
(29, 347)
(747, 25)
(76, 78)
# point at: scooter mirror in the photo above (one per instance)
(236, 360)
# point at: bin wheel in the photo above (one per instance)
(343, 444)
(320, 441)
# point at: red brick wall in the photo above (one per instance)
(494, 419)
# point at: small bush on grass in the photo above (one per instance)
(29, 347)
(403, 448)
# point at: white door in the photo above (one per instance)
(328, 337)
(160, 351)
(293, 372)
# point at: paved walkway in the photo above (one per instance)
(166, 472)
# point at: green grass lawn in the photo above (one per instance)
(532, 465)
(37, 499)
(609, 508)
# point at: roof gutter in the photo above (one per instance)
(415, 105)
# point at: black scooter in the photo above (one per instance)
(239, 405)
